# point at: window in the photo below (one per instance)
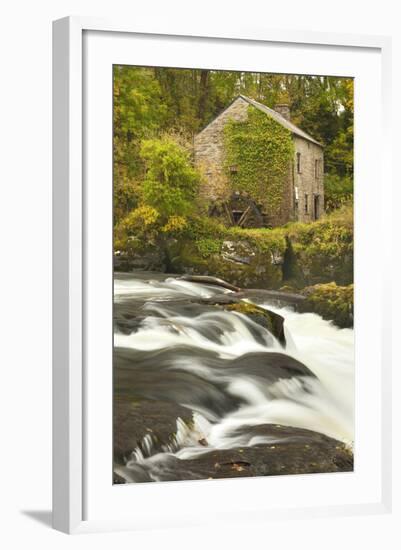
(317, 168)
(298, 163)
(316, 207)
(306, 204)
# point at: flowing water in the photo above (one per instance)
(231, 374)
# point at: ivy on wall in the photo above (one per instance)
(257, 153)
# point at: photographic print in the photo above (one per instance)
(233, 345)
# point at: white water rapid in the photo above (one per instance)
(235, 385)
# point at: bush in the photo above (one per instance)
(322, 251)
(175, 225)
(141, 218)
(171, 183)
(138, 227)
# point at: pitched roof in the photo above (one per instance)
(280, 119)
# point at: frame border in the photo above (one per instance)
(68, 253)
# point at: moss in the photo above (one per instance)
(207, 247)
(260, 272)
(330, 301)
(264, 240)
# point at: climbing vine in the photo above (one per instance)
(257, 153)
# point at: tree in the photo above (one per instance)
(138, 113)
(171, 183)
(337, 191)
(150, 102)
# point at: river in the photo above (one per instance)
(201, 392)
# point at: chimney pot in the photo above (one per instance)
(284, 110)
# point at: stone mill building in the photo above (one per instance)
(302, 186)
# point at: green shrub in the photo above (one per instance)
(175, 225)
(263, 239)
(171, 183)
(141, 218)
(322, 251)
(137, 230)
(204, 227)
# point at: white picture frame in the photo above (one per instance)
(71, 309)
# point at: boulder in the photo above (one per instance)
(156, 376)
(273, 322)
(239, 252)
(330, 301)
(251, 268)
(283, 450)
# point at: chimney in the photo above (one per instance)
(283, 109)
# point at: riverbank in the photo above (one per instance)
(315, 259)
(297, 254)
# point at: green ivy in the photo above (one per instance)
(260, 149)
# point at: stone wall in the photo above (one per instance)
(307, 181)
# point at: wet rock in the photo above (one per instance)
(274, 297)
(258, 296)
(239, 252)
(330, 301)
(146, 425)
(273, 322)
(220, 299)
(291, 451)
(127, 324)
(151, 259)
(129, 316)
(207, 280)
(169, 375)
(267, 319)
(271, 367)
(242, 268)
(286, 451)
(156, 375)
